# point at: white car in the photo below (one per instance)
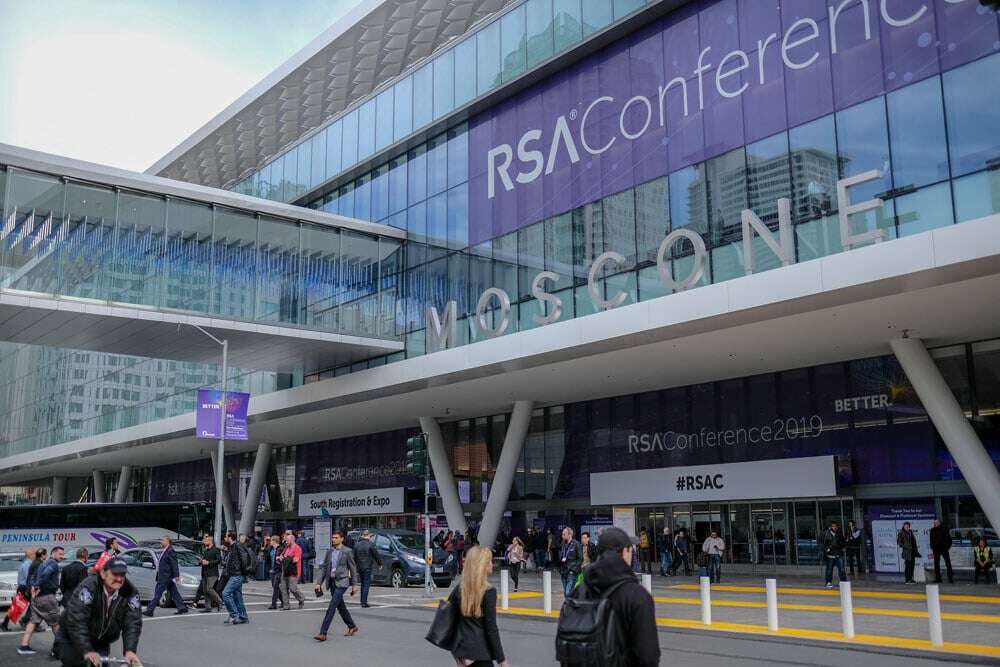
(9, 564)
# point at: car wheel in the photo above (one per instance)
(397, 580)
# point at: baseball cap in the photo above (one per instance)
(614, 539)
(117, 566)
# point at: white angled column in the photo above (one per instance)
(100, 496)
(503, 480)
(227, 502)
(124, 485)
(257, 478)
(442, 474)
(949, 420)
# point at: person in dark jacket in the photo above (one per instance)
(477, 638)
(940, 546)
(853, 540)
(632, 605)
(366, 557)
(74, 573)
(907, 543)
(103, 607)
(168, 575)
(274, 549)
(308, 555)
(232, 567)
(682, 548)
(210, 559)
(832, 545)
(570, 560)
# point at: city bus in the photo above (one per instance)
(90, 525)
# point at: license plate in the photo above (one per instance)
(438, 570)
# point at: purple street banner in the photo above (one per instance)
(207, 415)
(708, 78)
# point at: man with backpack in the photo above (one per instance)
(237, 566)
(610, 598)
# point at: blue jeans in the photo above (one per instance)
(839, 562)
(161, 588)
(715, 568)
(366, 583)
(665, 561)
(232, 597)
(568, 582)
(336, 604)
(539, 558)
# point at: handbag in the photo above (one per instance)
(220, 584)
(17, 607)
(444, 626)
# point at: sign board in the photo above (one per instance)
(207, 415)
(352, 503)
(322, 530)
(886, 522)
(779, 478)
(624, 518)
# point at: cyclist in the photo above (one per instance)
(104, 606)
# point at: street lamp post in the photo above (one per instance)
(220, 456)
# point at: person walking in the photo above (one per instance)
(339, 572)
(832, 545)
(681, 549)
(714, 547)
(74, 573)
(853, 542)
(631, 606)
(666, 552)
(645, 551)
(588, 549)
(982, 559)
(907, 543)
(308, 548)
(23, 586)
(210, 559)
(291, 572)
(274, 549)
(570, 560)
(168, 575)
(539, 549)
(940, 547)
(111, 551)
(44, 604)
(515, 557)
(235, 568)
(477, 638)
(366, 557)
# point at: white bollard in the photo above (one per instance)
(547, 590)
(846, 609)
(706, 601)
(504, 588)
(772, 604)
(647, 583)
(934, 614)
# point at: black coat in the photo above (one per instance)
(833, 544)
(940, 540)
(168, 568)
(213, 556)
(366, 555)
(632, 605)
(86, 623)
(71, 577)
(574, 556)
(477, 638)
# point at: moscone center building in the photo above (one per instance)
(720, 264)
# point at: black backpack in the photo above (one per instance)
(589, 632)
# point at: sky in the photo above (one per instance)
(122, 82)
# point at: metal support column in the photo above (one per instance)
(950, 421)
(124, 485)
(503, 480)
(100, 495)
(227, 501)
(442, 474)
(257, 479)
(58, 490)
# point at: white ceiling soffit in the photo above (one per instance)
(373, 44)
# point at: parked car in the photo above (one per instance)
(403, 562)
(9, 564)
(143, 562)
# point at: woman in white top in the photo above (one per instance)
(515, 557)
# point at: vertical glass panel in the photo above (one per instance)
(437, 220)
(458, 155)
(320, 276)
(318, 167)
(380, 193)
(597, 14)
(366, 130)
(916, 127)
(423, 96)
(346, 200)
(815, 168)
(189, 256)
(863, 145)
(538, 15)
(687, 200)
(234, 263)
(769, 177)
(416, 176)
(390, 267)
(278, 277)
(626, 7)
(136, 269)
(349, 147)
(89, 239)
(32, 232)
(458, 217)
(359, 295)
(926, 209)
(727, 196)
(465, 71)
(333, 142)
(530, 258)
(304, 169)
(567, 24)
(290, 172)
(559, 251)
(512, 44)
(650, 284)
(397, 184)
(363, 197)
(488, 58)
(618, 214)
(806, 534)
(505, 265)
(437, 164)
(402, 120)
(818, 238)
(444, 83)
(977, 195)
(652, 218)
(383, 119)
(971, 98)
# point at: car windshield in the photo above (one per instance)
(410, 541)
(185, 558)
(10, 564)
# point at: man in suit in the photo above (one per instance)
(338, 573)
(168, 575)
(74, 573)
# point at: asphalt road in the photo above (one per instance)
(392, 635)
